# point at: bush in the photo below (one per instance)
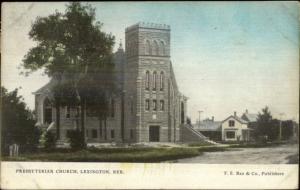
(49, 140)
(76, 140)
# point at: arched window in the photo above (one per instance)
(147, 106)
(147, 80)
(147, 47)
(154, 80)
(155, 48)
(162, 48)
(162, 105)
(47, 111)
(161, 81)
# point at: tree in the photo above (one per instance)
(49, 140)
(287, 129)
(264, 124)
(267, 126)
(75, 138)
(17, 123)
(72, 48)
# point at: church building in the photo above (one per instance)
(148, 107)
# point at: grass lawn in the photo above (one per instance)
(199, 144)
(110, 155)
(257, 145)
(131, 154)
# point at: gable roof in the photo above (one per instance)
(209, 126)
(46, 88)
(250, 117)
(236, 118)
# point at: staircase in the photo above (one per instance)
(189, 134)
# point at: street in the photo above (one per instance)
(269, 155)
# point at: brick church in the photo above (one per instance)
(149, 107)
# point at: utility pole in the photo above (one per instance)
(280, 127)
(200, 116)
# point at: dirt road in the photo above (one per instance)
(270, 155)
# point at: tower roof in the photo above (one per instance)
(148, 25)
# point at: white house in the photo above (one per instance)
(235, 128)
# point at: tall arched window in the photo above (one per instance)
(182, 113)
(162, 48)
(47, 111)
(161, 81)
(155, 48)
(147, 80)
(147, 48)
(154, 80)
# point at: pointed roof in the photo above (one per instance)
(250, 117)
(46, 88)
(236, 118)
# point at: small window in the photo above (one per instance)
(231, 123)
(131, 133)
(68, 112)
(112, 134)
(147, 106)
(154, 105)
(230, 134)
(162, 105)
(94, 134)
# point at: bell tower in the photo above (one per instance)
(146, 81)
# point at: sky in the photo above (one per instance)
(227, 56)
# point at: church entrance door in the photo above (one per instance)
(154, 133)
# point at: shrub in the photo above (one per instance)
(76, 139)
(49, 140)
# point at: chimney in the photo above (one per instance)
(235, 114)
(246, 110)
(212, 118)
